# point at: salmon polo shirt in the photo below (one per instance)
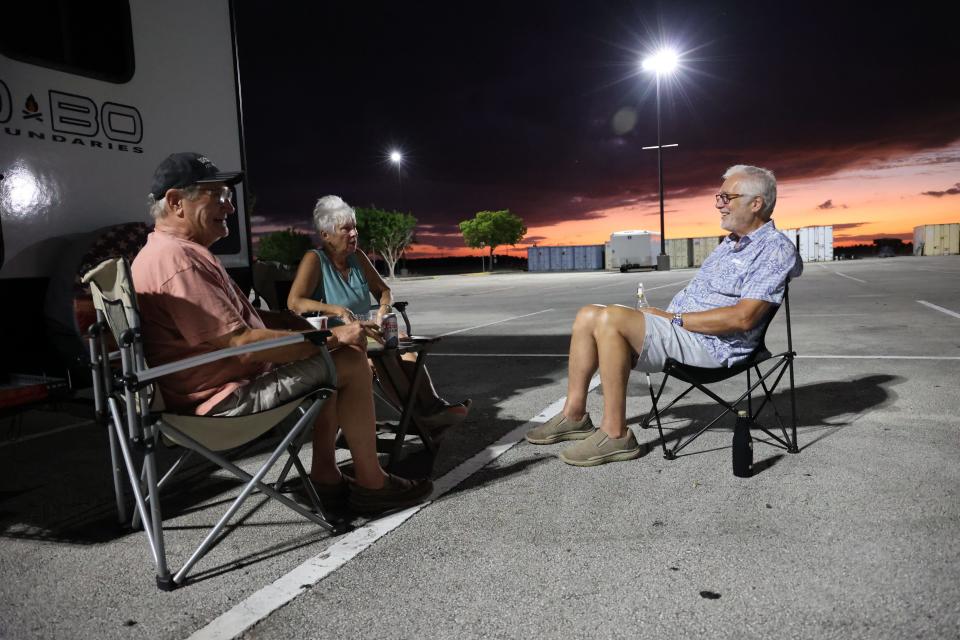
(187, 299)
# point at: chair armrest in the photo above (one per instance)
(152, 373)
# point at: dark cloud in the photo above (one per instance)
(848, 225)
(829, 205)
(952, 191)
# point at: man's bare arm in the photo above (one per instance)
(743, 316)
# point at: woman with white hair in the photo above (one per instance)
(337, 280)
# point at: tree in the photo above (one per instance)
(286, 247)
(492, 229)
(386, 233)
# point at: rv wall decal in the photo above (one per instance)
(74, 119)
(5, 109)
(31, 110)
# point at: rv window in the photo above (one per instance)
(85, 38)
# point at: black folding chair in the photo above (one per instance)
(699, 378)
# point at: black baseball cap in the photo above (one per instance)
(184, 169)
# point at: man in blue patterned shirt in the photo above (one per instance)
(715, 321)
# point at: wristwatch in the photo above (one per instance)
(677, 319)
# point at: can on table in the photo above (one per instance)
(391, 336)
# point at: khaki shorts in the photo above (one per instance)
(275, 387)
(664, 340)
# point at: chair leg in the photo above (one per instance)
(785, 442)
(794, 445)
(645, 423)
(149, 461)
(253, 482)
(169, 474)
(156, 546)
(115, 462)
(668, 454)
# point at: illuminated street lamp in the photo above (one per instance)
(396, 157)
(661, 63)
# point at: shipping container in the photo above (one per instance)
(538, 259)
(573, 258)
(936, 239)
(680, 251)
(701, 248)
(632, 249)
(588, 257)
(607, 256)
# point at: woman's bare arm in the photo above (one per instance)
(304, 284)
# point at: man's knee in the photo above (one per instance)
(617, 319)
(587, 317)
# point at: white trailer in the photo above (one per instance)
(634, 249)
(87, 115)
(815, 243)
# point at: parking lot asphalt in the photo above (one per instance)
(857, 536)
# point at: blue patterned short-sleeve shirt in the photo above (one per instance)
(757, 266)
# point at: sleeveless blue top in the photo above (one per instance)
(353, 293)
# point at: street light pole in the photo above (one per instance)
(661, 63)
(663, 235)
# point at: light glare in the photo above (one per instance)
(662, 62)
(396, 157)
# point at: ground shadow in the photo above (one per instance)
(822, 408)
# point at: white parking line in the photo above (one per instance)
(662, 286)
(876, 357)
(501, 355)
(490, 324)
(940, 309)
(44, 434)
(843, 275)
(812, 356)
(261, 604)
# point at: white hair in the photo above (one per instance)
(757, 181)
(331, 213)
(158, 208)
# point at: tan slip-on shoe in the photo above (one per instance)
(559, 428)
(599, 448)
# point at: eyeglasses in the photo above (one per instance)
(725, 198)
(225, 193)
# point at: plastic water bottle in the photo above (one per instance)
(641, 298)
(742, 447)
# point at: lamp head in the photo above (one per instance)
(662, 62)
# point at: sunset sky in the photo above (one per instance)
(540, 108)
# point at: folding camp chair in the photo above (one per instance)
(699, 378)
(391, 382)
(138, 423)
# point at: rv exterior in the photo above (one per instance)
(91, 100)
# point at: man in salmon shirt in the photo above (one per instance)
(190, 306)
